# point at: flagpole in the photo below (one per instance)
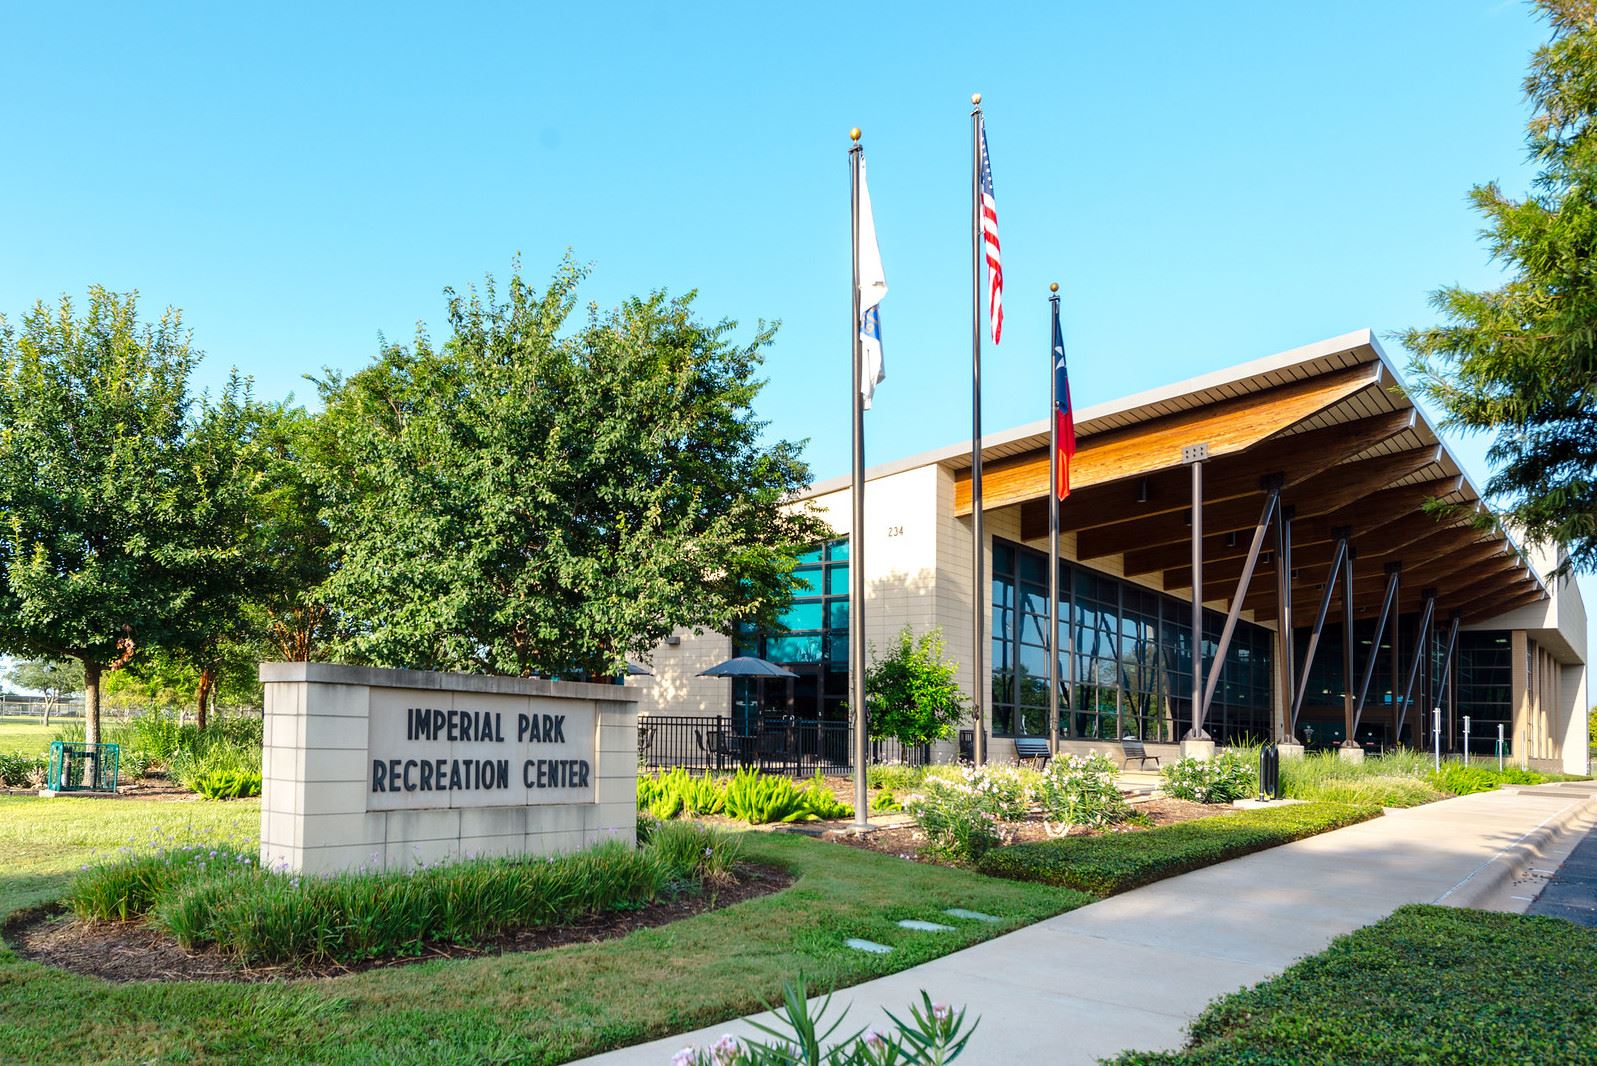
(1053, 527)
(856, 551)
(978, 680)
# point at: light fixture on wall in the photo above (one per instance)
(673, 640)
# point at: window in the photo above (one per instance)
(1125, 662)
(813, 643)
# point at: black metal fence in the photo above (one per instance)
(779, 745)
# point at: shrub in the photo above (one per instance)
(885, 802)
(822, 802)
(695, 851)
(218, 895)
(226, 784)
(759, 798)
(1462, 780)
(1081, 790)
(912, 692)
(1116, 862)
(960, 809)
(1226, 777)
(130, 886)
(935, 1033)
(957, 824)
(895, 776)
(20, 771)
(1433, 985)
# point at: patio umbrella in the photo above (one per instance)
(746, 666)
(635, 670)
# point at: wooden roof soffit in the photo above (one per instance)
(1228, 427)
(1336, 488)
(1374, 512)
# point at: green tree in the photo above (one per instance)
(110, 536)
(536, 497)
(56, 679)
(911, 691)
(1520, 360)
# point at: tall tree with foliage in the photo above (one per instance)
(1520, 360)
(911, 691)
(536, 496)
(55, 679)
(108, 541)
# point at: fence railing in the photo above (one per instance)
(788, 746)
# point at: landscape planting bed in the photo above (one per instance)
(137, 951)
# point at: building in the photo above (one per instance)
(1316, 463)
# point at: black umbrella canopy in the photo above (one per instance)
(636, 670)
(747, 666)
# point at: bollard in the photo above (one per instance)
(1466, 740)
(1436, 731)
(1499, 747)
(1270, 772)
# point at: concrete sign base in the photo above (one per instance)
(392, 769)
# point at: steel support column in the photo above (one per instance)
(1422, 643)
(1341, 534)
(1447, 666)
(1285, 654)
(1393, 570)
(1272, 485)
(1347, 648)
(1194, 455)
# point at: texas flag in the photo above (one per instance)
(1064, 417)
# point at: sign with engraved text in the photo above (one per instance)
(463, 749)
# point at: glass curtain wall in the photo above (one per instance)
(814, 645)
(1132, 669)
(1485, 665)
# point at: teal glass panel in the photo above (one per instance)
(837, 550)
(837, 580)
(805, 614)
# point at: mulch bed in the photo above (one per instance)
(137, 951)
(908, 842)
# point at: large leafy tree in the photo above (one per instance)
(1520, 360)
(55, 679)
(117, 530)
(536, 497)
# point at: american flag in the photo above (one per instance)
(1064, 417)
(989, 234)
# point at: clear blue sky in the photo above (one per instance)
(1209, 183)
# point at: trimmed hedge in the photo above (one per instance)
(1432, 985)
(1116, 862)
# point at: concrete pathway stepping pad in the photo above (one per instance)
(867, 945)
(977, 916)
(925, 927)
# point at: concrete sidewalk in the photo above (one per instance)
(1131, 971)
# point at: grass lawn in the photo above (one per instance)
(540, 1007)
(1433, 985)
(25, 736)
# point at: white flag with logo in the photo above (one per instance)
(872, 287)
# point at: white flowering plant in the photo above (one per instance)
(935, 1034)
(1081, 790)
(964, 810)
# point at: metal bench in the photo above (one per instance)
(1034, 748)
(1134, 750)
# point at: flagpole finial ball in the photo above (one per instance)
(1053, 286)
(853, 134)
(975, 98)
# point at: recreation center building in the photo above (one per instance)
(1316, 464)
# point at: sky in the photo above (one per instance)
(1209, 184)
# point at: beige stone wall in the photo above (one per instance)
(676, 687)
(320, 810)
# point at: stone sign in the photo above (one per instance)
(393, 768)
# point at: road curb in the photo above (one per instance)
(1514, 862)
